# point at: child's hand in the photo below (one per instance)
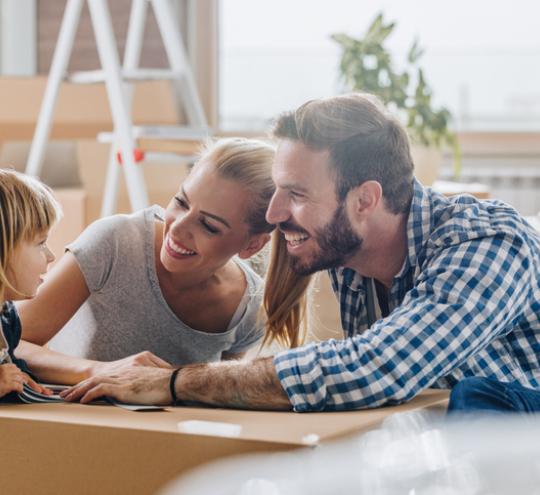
(37, 387)
(11, 379)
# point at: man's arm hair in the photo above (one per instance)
(239, 384)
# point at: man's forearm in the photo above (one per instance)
(240, 384)
(53, 367)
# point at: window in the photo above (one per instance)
(481, 58)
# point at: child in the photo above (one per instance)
(27, 212)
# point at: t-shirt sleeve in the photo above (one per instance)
(96, 250)
(251, 327)
(250, 331)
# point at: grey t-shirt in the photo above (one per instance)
(126, 312)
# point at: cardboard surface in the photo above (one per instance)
(81, 111)
(70, 448)
(73, 202)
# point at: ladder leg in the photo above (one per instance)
(132, 54)
(178, 61)
(110, 193)
(108, 55)
(59, 64)
(135, 33)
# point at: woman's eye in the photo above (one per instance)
(181, 202)
(209, 228)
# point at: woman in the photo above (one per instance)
(171, 281)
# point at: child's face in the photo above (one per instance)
(28, 266)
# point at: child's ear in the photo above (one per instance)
(255, 244)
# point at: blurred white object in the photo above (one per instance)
(415, 453)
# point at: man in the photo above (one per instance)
(431, 289)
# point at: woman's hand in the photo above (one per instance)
(37, 386)
(145, 358)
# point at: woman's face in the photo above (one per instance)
(204, 222)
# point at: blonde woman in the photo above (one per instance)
(167, 286)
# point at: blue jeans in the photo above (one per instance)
(478, 394)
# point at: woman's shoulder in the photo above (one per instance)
(252, 277)
(118, 227)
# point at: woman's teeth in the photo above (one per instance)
(178, 249)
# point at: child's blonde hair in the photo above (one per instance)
(27, 209)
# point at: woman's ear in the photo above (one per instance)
(255, 244)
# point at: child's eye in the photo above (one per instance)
(209, 228)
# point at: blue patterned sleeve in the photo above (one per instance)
(467, 294)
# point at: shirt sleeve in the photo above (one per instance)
(96, 250)
(251, 333)
(467, 295)
(251, 327)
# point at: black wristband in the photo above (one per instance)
(172, 382)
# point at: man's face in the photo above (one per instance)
(316, 226)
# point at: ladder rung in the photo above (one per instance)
(98, 76)
(165, 132)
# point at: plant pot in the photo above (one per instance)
(427, 163)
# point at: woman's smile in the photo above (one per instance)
(177, 250)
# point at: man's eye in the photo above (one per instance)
(295, 194)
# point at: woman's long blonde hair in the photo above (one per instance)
(27, 209)
(249, 162)
(285, 298)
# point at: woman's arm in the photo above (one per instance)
(54, 367)
(57, 300)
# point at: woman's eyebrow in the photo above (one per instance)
(207, 214)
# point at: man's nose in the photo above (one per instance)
(278, 209)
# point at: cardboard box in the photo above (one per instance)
(82, 111)
(73, 202)
(70, 448)
(324, 310)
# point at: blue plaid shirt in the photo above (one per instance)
(466, 302)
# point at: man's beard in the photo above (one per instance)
(337, 243)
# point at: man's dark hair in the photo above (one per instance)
(363, 140)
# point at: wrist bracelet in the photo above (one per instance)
(172, 388)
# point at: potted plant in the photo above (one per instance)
(366, 65)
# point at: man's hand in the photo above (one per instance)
(12, 379)
(115, 368)
(239, 384)
(136, 385)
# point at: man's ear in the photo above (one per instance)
(365, 197)
(255, 244)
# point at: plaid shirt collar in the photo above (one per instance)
(418, 232)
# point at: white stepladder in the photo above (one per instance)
(119, 91)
